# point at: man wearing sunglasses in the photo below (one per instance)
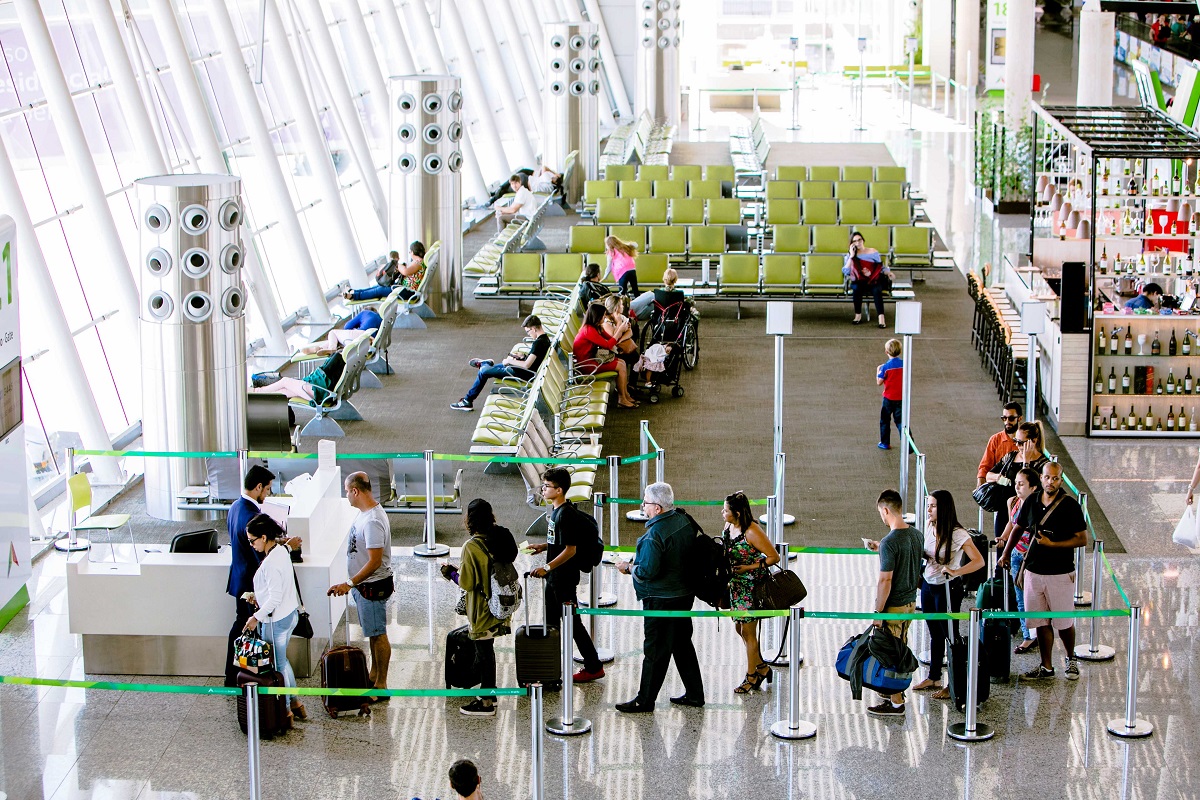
(1001, 444)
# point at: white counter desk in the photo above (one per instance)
(170, 615)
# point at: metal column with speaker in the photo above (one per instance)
(193, 329)
(657, 87)
(425, 178)
(569, 111)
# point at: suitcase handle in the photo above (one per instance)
(528, 602)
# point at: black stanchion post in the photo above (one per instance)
(430, 548)
(972, 730)
(568, 724)
(252, 733)
(1131, 727)
(1093, 650)
(537, 749)
(793, 727)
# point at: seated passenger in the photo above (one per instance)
(316, 387)
(408, 277)
(868, 274)
(522, 205)
(1149, 298)
(361, 323)
(669, 295)
(385, 278)
(617, 319)
(621, 264)
(513, 366)
(595, 351)
(592, 289)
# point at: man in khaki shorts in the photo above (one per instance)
(1058, 527)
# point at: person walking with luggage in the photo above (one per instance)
(369, 565)
(890, 376)
(947, 546)
(489, 544)
(256, 488)
(660, 561)
(750, 555)
(567, 531)
(1001, 444)
(276, 598)
(899, 578)
(1015, 543)
(1057, 525)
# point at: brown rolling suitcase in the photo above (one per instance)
(345, 667)
(272, 708)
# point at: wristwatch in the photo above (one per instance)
(350, 583)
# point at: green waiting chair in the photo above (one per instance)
(912, 246)
(858, 173)
(896, 174)
(782, 190)
(632, 189)
(738, 274)
(877, 236)
(521, 273)
(823, 275)
(719, 172)
(887, 190)
(856, 212)
(561, 270)
(782, 274)
(669, 239)
(686, 211)
(79, 494)
(820, 212)
(706, 240)
(791, 172)
(831, 239)
(704, 190)
(816, 190)
(650, 268)
(653, 172)
(726, 211)
(612, 211)
(791, 238)
(670, 189)
(783, 212)
(593, 191)
(650, 211)
(825, 174)
(850, 190)
(894, 212)
(620, 172)
(686, 172)
(586, 239)
(630, 233)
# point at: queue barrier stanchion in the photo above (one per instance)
(1093, 650)
(595, 598)
(430, 548)
(73, 543)
(660, 465)
(793, 727)
(567, 724)
(614, 490)
(537, 760)
(779, 624)
(972, 730)
(252, 743)
(636, 514)
(1130, 727)
(1082, 598)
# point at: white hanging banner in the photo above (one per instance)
(996, 44)
(14, 493)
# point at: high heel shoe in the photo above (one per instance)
(755, 679)
(300, 711)
(769, 676)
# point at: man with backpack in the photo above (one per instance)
(572, 542)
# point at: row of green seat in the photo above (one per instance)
(662, 172)
(904, 245)
(801, 172)
(665, 190)
(832, 212)
(842, 190)
(678, 210)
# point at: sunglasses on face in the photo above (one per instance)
(1009, 418)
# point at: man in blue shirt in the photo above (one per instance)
(658, 579)
(1149, 298)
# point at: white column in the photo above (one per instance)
(107, 246)
(473, 92)
(514, 47)
(203, 137)
(425, 41)
(338, 88)
(571, 9)
(531, 38)
(1018, 63)
(360, 39)
(302, 267)
(332, 208)
(1095, 69)
(616, 86)
(397, 42)
(518, 126)
(935, 32)
(474, 184)
(966, 41)
(132, 106)
(52, 324)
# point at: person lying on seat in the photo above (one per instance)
(359, 325)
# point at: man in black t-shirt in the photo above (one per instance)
(1058, 527)
(565, 533)
(513, 366)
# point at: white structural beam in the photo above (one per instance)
(302, 268)
(360, 40)
(1018, 63)
(615, 87)
(425, 41)
(52, 327)
(474, 97)
(514, 46)
(316, 148)
(107, 246)
(203, 136)
(966, 42)
(133, 107)
(531, 30)
(340, 95)
(397, 43)
(518, 126)
(1095, 85)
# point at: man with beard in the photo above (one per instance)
(1000, 445)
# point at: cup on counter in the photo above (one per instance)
(595, 439)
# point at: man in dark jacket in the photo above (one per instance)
(658, 579)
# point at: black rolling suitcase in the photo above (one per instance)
(994, 592)
(461, 668)
(997, 641)
(539, 652)
(956, 662)
(272, 708)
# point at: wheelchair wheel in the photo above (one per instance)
(691, 347)
(677, 391)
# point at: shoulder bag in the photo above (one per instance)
(779, 590)
(992, 496)
(1020, 579)
(304, 628)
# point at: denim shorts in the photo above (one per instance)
(372, 614)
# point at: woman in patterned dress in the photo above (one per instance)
(750, 553)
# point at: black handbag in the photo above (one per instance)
(779, 590)
(994, 496)
(303, 627)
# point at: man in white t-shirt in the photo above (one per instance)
(522, 204)
(368, 563)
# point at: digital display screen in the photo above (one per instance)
(11, 397)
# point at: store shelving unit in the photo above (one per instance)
(1131, 174)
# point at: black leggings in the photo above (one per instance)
(933, 601)
(485, 663)
(859, 291)
(629, 284)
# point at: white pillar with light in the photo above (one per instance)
(1096, 31)
(779, 325)
(1033, 322)
(908, 325)
(794, 45)
(910, 46)
(862, 79)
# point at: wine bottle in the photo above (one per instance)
(1158, 389)
(1150, 418)
(1171, 381)
(1128, 342)
(1098, 385)
(1154, 181)
(1158, 424)
(1104, 260)
(1171, 418)
(1141, 268)
(1113, 422)
(1096, 418)
(1113, 342)
(1125, 382)
(1172, 345)
(1156, 346)
(1104, 183)
(1182, 422)
(1112, 381)
(1186, 348)
(1102, 342)
(1132, 421)
(1141, 424)
(1176, 183)
(1187, 381)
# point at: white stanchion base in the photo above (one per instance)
(65, 546)
(575, 726)
(788, 519)
(1103, 652)
(605, 601)
(784, 661)
(636, 516)
(606, 656)
(958, 730)
(1140, 730)
(425, 551)
(784, 730)
(1083, 600)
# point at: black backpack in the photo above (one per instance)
(591, 552)
(708, 570)
(973, 580)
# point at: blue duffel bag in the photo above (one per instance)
(889, 676)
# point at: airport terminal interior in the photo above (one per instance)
(192, 192)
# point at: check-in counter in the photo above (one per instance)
(169, 614)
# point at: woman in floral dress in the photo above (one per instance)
(750, 553)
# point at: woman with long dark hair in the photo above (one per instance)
(590, 340)
(946, 543)
(750, 554)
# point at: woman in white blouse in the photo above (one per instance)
(276, 597)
